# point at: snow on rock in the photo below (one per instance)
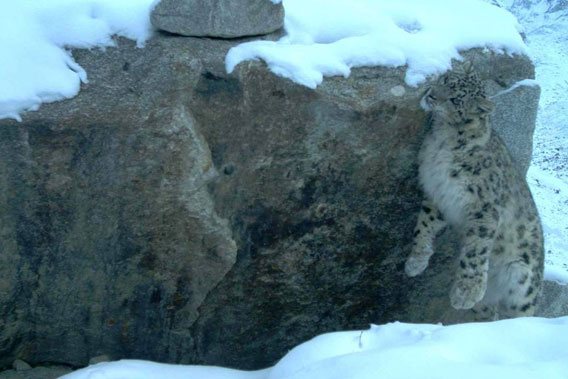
(325, 37)
(525, 82)
(523, 348)
(36, 66)
(329, 37)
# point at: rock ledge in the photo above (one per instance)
(221, 19)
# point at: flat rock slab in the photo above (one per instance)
(222, 18)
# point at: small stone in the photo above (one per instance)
(99, 359)
(398, 91)
(221, 19)
(20, 365)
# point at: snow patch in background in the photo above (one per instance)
(550, 193)
(523, 348)
(545, 23)
(329, 37)
(36, 66)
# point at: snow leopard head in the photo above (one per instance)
(458, 96)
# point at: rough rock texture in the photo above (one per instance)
(20, 365)
(518, 110)
(220, 18)
(553, 301)
(108, 231)
(176, 213)
(36, 373)
(99, 359)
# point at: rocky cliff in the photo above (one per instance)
(176, 213)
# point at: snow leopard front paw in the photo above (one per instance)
(467, 292)
(417, 262)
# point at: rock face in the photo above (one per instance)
(221, 18)
(516, 121)
(52, 372)
(176, 213)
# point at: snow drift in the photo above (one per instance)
(524, 348)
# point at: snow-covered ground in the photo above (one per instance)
(524, 348)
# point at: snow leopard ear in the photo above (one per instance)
(467, 67)
(485, 106)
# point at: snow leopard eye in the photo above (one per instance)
(431, 97)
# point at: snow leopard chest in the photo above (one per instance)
(437, 173)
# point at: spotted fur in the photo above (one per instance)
(471, 184)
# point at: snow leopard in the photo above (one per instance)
(471, 184)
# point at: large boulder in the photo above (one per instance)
(221, 18)
(176, 213)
